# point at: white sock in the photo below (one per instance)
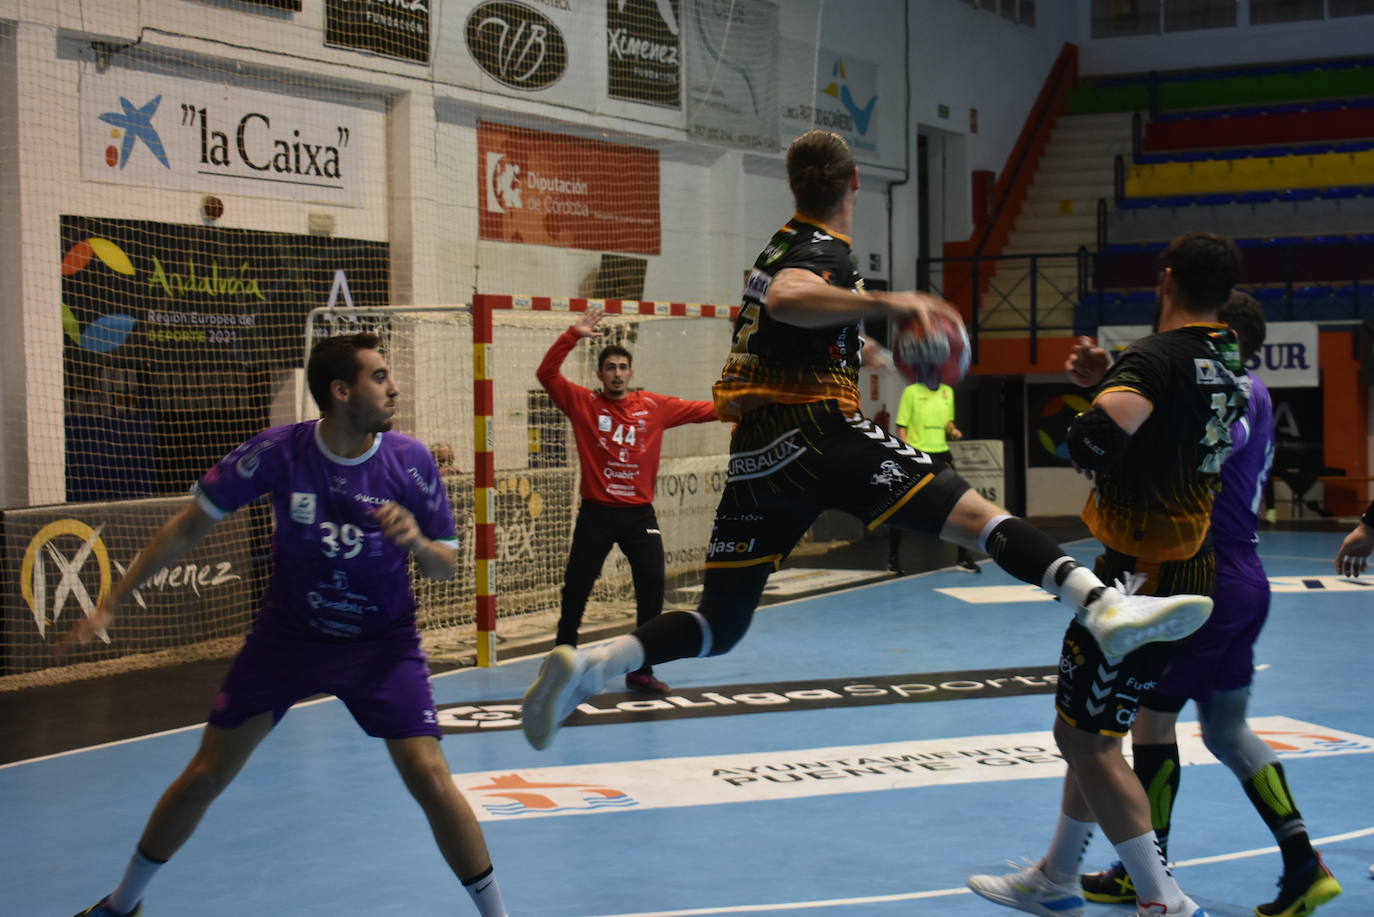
(1065, 854)
(486, 894)
(1077, 588)
(137, 875)
(622, 655)
(1154, 884)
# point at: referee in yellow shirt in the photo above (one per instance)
(925, 421)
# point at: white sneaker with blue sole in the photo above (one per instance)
(1032, 891)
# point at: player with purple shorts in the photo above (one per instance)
(1216, 666)
(353, 503)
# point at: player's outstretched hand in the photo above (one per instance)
(1355, 550)
(586, 323)
(1087, 363)
(398, 524)
(920, 306)
(88, 627)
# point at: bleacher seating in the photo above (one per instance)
(1328, 120)
(1318, 278)
(1279, 157)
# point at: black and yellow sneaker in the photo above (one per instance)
(1302, 892)
(1112, 885)
(102, 909)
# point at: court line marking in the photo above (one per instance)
(433, 677)
(502, 662)
(949, 892)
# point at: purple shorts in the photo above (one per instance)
(1221, 655)
(384, 683)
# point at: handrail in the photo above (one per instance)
(1033, 136)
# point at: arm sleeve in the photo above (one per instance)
(243, 475)
(430, 503)
(1241, 429)
(1138, 371)
(550, 371)
(822, 259)
(678, 411)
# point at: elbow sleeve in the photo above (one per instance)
(1095, 441)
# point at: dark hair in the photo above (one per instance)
(819, 168)
(336, 358)
(612, 350)
(1246, 317)
(1205, 268)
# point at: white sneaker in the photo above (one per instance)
(555, 694)
(1124, 623)
(1188, 908)
(1030, 890)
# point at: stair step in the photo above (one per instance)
(1078, 223)
(1054, 178)
(1043, 209)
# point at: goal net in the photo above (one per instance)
(183, 183)
(508, 455)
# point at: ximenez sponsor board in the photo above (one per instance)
(807, 772)
(732, 700)
(66, 557)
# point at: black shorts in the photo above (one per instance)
(790, 462)
(1104, 698)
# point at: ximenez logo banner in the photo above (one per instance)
(542, 188)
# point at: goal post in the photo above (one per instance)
(678, 348)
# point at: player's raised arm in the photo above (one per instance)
(803, 298)
(178, 536)
(550, 370)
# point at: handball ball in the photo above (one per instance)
(942, 356)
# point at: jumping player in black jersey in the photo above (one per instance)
(801, 446)
(1154, 440)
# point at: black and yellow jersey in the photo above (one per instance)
(1156, 503)
(773, 362)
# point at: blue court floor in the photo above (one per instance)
(860, 753)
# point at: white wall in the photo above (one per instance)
(13, 461)
(1241, 44)
(966, 58)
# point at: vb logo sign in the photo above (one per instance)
(50, 546)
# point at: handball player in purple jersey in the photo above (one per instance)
(1215, 667)
(353, 502)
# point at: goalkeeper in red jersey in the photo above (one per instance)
(619, 434)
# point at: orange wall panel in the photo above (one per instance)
(1345, 407)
